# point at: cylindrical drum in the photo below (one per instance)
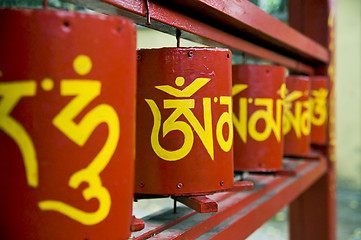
(296, 122)
(318, 101)
(67, 113)
(258, 92)
(184, 129)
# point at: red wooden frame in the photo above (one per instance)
(239, 213)
(306, 46)
(167, 19)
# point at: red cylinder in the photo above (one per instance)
(258, 92)
(319, 113)
(296, 123)
(184, 132)
(67, 113)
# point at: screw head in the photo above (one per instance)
(142, 184)
(179, 185)
(221, 183)
(119, 28)
(190, 54)
(66, 23)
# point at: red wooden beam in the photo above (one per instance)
(201, 204)
(248, 18)
(168, 20)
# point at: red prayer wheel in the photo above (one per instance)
(296, 123)
(67, 115)
(184, 129)
(258, 92)
(319, 113)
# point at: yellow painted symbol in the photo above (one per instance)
(179, 81)
(282, 91)
(240, 123)
(267, 116)
(237, 88)
(319, 106)
(85, 91)
(10, 95)
(186, 92)
(183, 107)
(245, 125)
(296, 119)
(225, 118)
(47, 84)
(82, 64)
(291, 119)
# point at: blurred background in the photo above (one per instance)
(348, 107)
(348, 104)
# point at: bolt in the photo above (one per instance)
(119, 28)
(139, 57)
(66, 26)
(221, 183)
(179, 185)
(66, 23)
(190, 54)
(227, 55)
(141, 184)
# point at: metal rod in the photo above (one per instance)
(175, 207)
(178, 34)
(45, 4)
(147, 13)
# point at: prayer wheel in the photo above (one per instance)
(258, 92)
(67, 120)
(319, 109)
(184, 129)
(296, 123)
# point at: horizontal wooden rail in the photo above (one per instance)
(248, 19)
(240, 213)
(168, 20)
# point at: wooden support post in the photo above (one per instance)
(313, 213)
